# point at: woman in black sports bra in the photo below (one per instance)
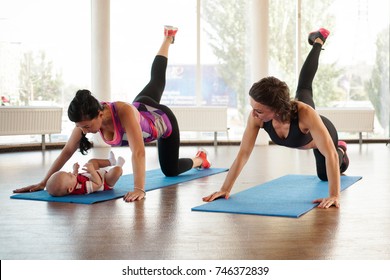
(294, 124)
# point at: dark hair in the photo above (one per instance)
(84, 107)
(275, 94)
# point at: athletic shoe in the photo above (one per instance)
(342, 145)
(345, 161)
(203, 155)
(170, 31)
(321, 33)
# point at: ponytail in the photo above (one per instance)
(84, 145)
(84, 107)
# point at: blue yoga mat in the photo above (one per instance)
(287, 196)
(155, 179)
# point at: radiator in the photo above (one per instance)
(30, 120)
(350, 119)
(202, 119)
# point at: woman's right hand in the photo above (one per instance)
(31, 188)
(136, 195)
(216, 195)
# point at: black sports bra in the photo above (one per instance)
(295, 138)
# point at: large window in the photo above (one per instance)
(136, 36)
(45, 53)
(354, 67)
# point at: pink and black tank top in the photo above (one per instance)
(154, 124)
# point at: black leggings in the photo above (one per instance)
(168, 148)
(304, 94)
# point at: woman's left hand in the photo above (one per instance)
(327, 202)
(134, 196)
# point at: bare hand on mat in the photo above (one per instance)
(31, 188)
(137, 194)
(216, 195)
(327, 202)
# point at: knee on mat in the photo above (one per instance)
(169, 173)
(322, 176)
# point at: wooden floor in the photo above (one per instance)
(164, 227)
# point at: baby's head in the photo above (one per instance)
(61, 183)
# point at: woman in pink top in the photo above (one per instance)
(124, 124)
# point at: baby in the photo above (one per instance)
(63, 183)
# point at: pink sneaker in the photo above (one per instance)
(342, 145)
(321, 33)
(203, 155)
(170, 31)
